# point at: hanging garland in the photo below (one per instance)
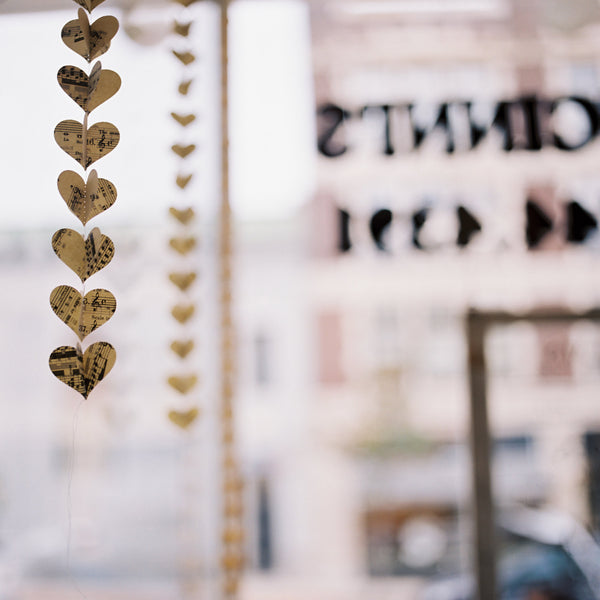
(85, 254)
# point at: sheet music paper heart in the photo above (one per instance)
(187, 58)
(183, 120)
(184, 419)
(102, 138)
(90, 5)
(89, 41)
(182, 29)
(183, 383)
(184, 87)
(82, 314)
(86, 201)
(84, 371)
(88, 92)
(183, 280)
(183, 216)
(85, 257)
(182, 313)
(182, 348)
(183, 151)
(183, 245)
(183, 180)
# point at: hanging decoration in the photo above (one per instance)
(232, 533)
(85, 254)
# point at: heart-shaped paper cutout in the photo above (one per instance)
(183, 180)
(101, 139)
(90, 5)
(183, 280)
(82, 315)
(183, 120)
(89, 92)
(183, 216)
(85, 257)
(90, 42)
(80, 371)
(182, 383)
(183, 245)
(184, 87)
(183, 312)
(182, 348)
(184, 419)
(86, 200)
(182, 29)
(187, 58)
(183, 151)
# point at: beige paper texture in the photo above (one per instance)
(86, 201)
(183, 280)
(182, 181)
(183, 383)
(182, 313)
(183, 245)
(184, 216)
(89, 41)
(184, 419)
(187, 58)
(184, 120)
(90, 5)
(182, 29)
(182, 347)
(89, 92)
(184, 87)
(101, 139)
(183, 151)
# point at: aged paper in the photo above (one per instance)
(85, 257)
(184, 419)
(90, 5)
(182, 347)
(183, 312)
(184, 216)
(89, 92)
(183, 280)
(183, 383)
(183, 151)
(183, 245)
(183, 180)
(80, 371)
(182, 29)
(86, 201)
(89, 41)
(101, 139)
(82, 314)
(187, 58)
(184, 120)
(184, 87)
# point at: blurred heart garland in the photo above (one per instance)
(85, 254)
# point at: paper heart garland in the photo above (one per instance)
(183, 312)
(82, 315)
(182, 348)
(89, 92)
(183, 419)
(86, 201)
(182, 29)
(183, 216)
(85, 257)
(90, 5)
(101, 139)
(183, 245)
(183, 151)
(187, 58)
(183, 280)
(183, 180)
(89, 41)
(182, 383)
(84, 371)
(184, 87)
(183, 120)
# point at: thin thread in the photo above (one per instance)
(70, 499)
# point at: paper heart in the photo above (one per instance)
(183, 120)
(182, 348)
(184, 87)
(183, 419)
(183, 312)
(89, 41)
(233, 535)
(183, 280)
(232, 561)
(183, 151)
(82, 315)
(80, 371)
(183, 180)
(182, 383)
(101, 139)
(183, 245)
(85, 257)
(86, 200)
(183, 216)
(89, 92)
(187, 58)
(182, 29)
(90, 5)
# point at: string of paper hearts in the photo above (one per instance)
(85, 255)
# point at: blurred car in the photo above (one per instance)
(542, 556)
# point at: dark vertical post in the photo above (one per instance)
(485, 551)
